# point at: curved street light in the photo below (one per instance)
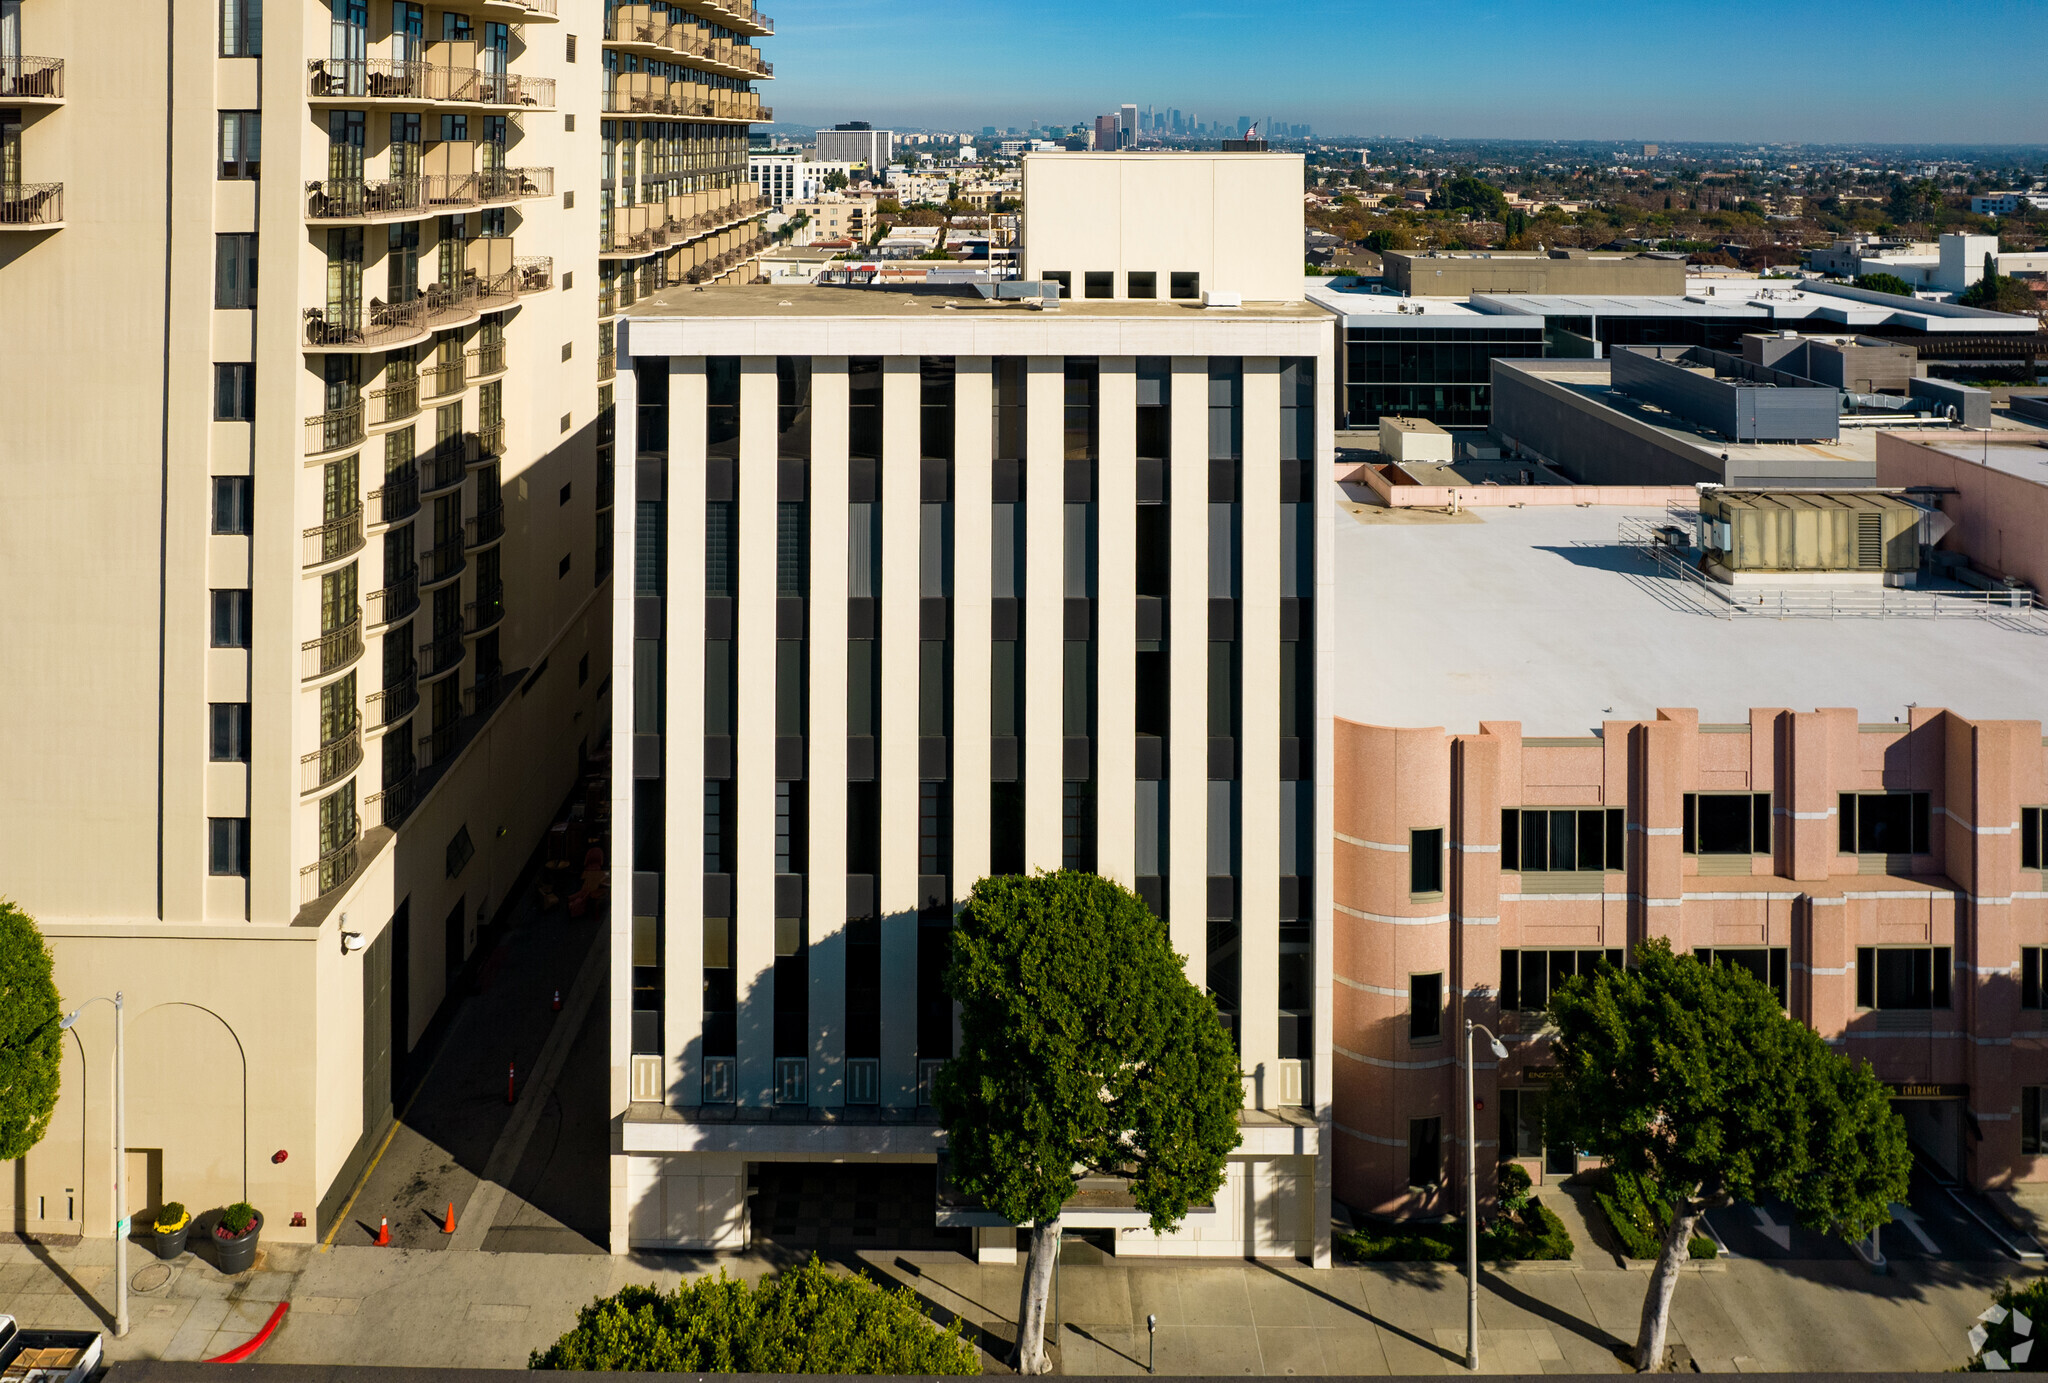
(1472, 1193)
(120, 1157)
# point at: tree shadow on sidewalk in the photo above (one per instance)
(1355, 1309)
(72, 1284)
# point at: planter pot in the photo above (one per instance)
(237, 1253)
(170, 1243)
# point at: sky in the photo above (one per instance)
(1879, 71)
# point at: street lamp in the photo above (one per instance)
(120, 1159)
(1472, 1194)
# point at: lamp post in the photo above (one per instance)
(1472, 1194)
(120, 1158)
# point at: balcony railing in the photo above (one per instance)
(399, 399)
(332, 869)
(607, 364)
(536, 273)
(335, 539)
(442, 380)
(511, 184)
(335, 429)
(490, 442)
(27, 205)
(436, 746)
(489, 524)
(390, 79)
(394, 703)
(443, 562)
(395, 601)
(389, 324)
(487, 360)
(333, 761)
(31, 79)
(441, 654)
(356, 199)
(485, 611)
(332, 652)
(395, 803)
(399, 500)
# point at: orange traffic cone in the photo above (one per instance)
(449, 1227)
(383, 1232)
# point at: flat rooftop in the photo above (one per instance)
(1541, 615)
(2017, 451)
(791, 300)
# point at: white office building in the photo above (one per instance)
(856, 143)
(784, 178)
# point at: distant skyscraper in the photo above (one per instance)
(1130, 126)
(1244, 123)
(1105, 132)
(1173, 120)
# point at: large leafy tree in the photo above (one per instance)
(1084, 1050)
(1692, 1075)
(30, 1047)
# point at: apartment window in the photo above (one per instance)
(227, 845)
(241, 28)
(2030, 1119)
(1726, 823)
(2030, 977)
(234, 269)
(231, 619)
(1536, 840)
(234, 392)
(1770, 966)
(1426, 861)
(1902, 977)
(864, 410)
(793, 407)
(1527, 978)
(1096, 283)
(1008, 406)
(231, 501)
(936, 388)
(1884, 823)
(228, 737)
(1184, 285)
(1141, 284)
(722, 407)
(241, 143)
(1081, 424)
(1425, 1008)
(2031, 837)
(1425, 1148)
(1521, 1124)
(571, 55)
(569, 122)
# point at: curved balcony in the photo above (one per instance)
(397, 501)
(488, 360)
(536, 273)
(395, 803)
(332, 652)
(520, 11)
(331, 762)
(335, 539)
(441, 380)
(394, 704)
(440, 656)
(335, 430)
(442, 563)
(485, 612)
(490, 443)
(515, 184)
(391, 325)
(31, 206)
(394, 602)
(332, 869)
(488, 525)
(393, 82)
(26, 81)
(345, 201)
(607, 365)
(449, 462)
(397, 400)
(635, 28)
(437, 746)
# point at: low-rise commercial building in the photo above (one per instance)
(1460, 273)
(780, 179)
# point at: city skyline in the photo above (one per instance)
(1658, 75)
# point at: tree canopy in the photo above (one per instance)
(1885, 283)
(1693, 1076)
(31, 1047)
(1998, 292)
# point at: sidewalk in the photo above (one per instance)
(488, 1310)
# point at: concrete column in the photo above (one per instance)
(897, 885)
(754, 742)
(1044, 606)
(1259, 726)
(827, 730)
(682, 741)
(973, 446)
(1116, 621)
(1187, 653)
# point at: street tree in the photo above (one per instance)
(1085, 1050)
(1691, 1075)
(31, 1049)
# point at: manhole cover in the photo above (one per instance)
(153, 1277)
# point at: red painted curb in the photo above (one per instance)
(262, 1337)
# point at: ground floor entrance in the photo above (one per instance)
(847, 1205)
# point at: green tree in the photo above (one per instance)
(1885, 283)
(31, 1050)
(1998, 292)
(1475, 195)
(1691, 1075)
(835, 181)
(807, 1319)
(1085, 1050)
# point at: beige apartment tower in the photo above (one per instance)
(308, 440)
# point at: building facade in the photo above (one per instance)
(856, 143)
(339, 531)
(780, 179)
(983, 591)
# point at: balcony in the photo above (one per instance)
(332, 652)
(394, 602)
(443, 562)
(536, 273)
(335, 539)
(399, 500)
(438, 746)
(489, 526)
(441, 380)
(31, 206)
(394, 703)
(31, 81)
(485, 611)
(331, 762)
(516, 184)
(448, 463)
(441, 655)
(607, 364)
(399, 399)
(395, 803)
(359, 199)
(490, 442)
(487, 360)
(335, 429)
(332, 869)
(392, 82)
(520, 11)
(389, 325)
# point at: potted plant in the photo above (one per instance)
(234, 1238)
(170, 1227)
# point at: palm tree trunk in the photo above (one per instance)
(1029, 1357)
(1685, 1215)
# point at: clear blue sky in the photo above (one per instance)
(1963, 71)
